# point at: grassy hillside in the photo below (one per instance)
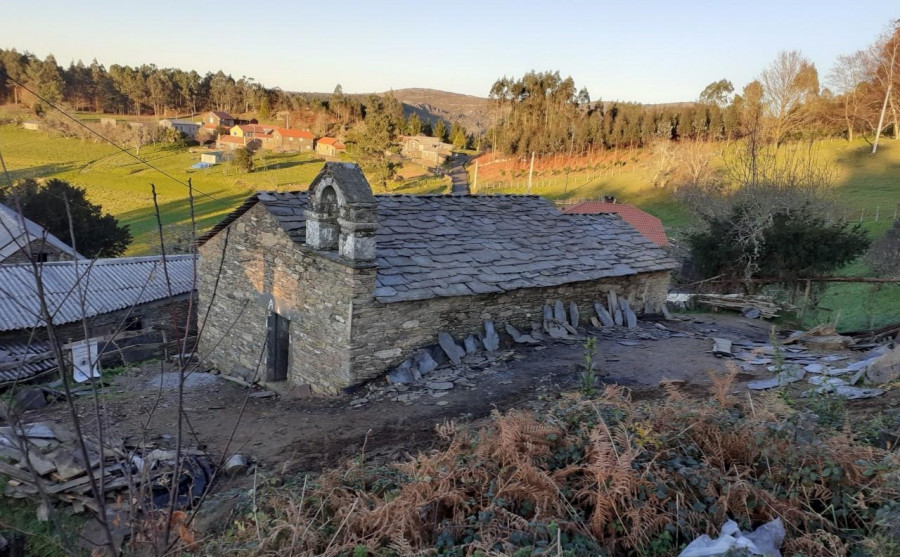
(866, 186)
(121, 184)
(864, 183)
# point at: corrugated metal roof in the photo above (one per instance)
(107, 285)
(14, 352)
(17, 231)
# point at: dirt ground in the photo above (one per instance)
(299, 435)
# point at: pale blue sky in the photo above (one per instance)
(647, 51)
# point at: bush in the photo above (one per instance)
(96, 234)
(243, 159)
(794, 242)
(884, 255)
(602, 476)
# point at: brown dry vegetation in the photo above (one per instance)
(602, 476)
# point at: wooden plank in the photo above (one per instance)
(17, 473)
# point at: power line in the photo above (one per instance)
(107, 140)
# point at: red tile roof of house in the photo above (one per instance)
(285, 132)
(232, 139)
(331, 141)
(210, 126)
(648, 225)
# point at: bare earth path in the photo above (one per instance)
(308, 434)
(459, 176)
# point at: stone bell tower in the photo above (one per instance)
(342, 214)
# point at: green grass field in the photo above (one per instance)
(121, 184)
(866, 185)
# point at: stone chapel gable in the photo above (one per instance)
(342, 214)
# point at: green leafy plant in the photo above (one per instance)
(589, 375)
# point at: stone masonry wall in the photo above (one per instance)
(263, 268)
(386, 334)
(38, 246)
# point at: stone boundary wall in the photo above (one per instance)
(386, 334)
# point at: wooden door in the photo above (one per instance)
(279, 341)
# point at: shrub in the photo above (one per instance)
(243, 159)
(791, 243)
(592, 477)
(97, 234)
(884, 255)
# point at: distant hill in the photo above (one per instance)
(431, 104)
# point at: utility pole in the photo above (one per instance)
(530, 172)
(475, 178)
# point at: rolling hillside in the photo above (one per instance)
(431, 104)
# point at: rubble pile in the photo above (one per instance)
(434, 371)
(45, 457)
(800, 357)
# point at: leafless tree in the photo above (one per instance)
(789, 83)
(847, 78)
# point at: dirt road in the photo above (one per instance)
(458, 175)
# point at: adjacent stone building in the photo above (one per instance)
(133, 308)
(335, 286)
(23, 240)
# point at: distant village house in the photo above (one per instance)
(185, 127)
(217, 119)
(429, 150)
(232, 142)
(294, 141)
(329, 146)
(338, 285)
(645, 223)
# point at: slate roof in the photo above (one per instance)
(109, 285)
(625, 241)
(441, 245)
(648, 225)
(13, 235)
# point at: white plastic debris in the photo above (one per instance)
(764, 541)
